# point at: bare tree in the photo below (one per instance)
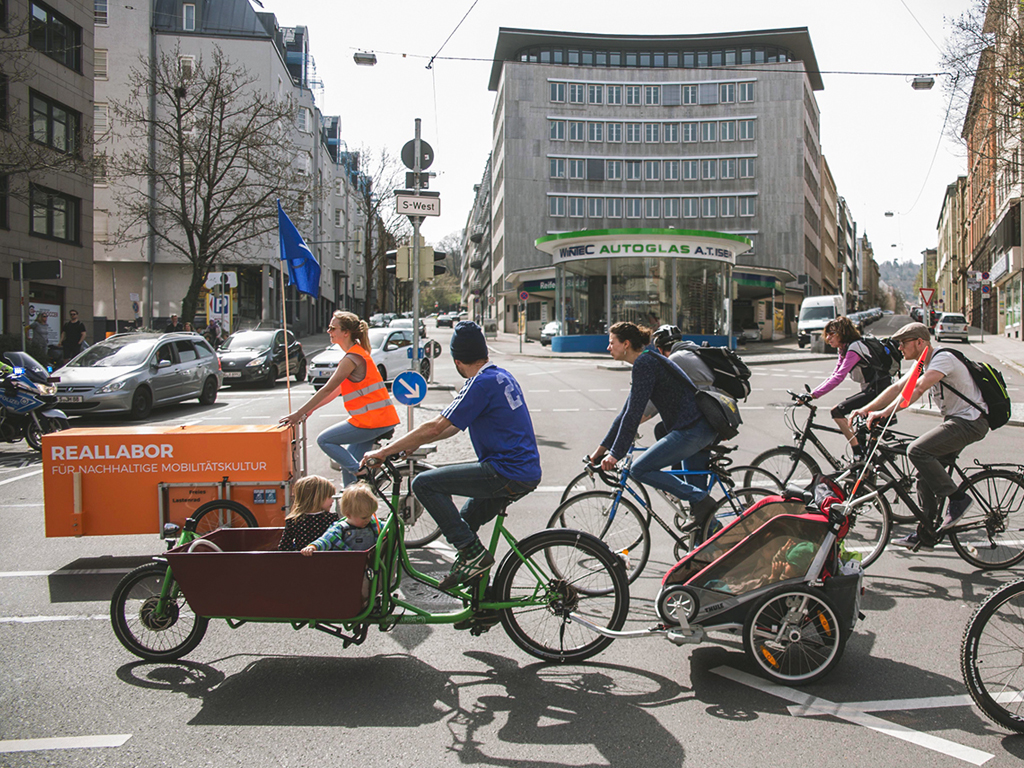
(223, 154)
(452, 245)
(384, 225)
(984, 56)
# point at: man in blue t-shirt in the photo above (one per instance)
(492, 407)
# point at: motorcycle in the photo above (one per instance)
(27, 397)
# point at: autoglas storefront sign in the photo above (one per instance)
(653, 243)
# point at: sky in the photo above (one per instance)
(883, 140)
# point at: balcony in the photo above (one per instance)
(476, 263)
(477, 236)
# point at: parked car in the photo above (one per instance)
(389, 348)
(259, 356)
(376, 321)
(446, 320)
(406, 322)
(951, 325)
(750, 333)
(549, 331)
(134, 372)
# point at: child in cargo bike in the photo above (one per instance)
(358, 530)
(311, 514)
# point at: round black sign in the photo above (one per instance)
(409, 155)
(432, 349)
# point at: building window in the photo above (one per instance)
(615, 132)
(577, 130)
(671, 170)
(55, 36)
(303, 119)
(613, 170)
(671, 133)
(556, 206)
(671, 207)
(747, 207)
(746, 130)
(614, 207)
(691, 132)
(188, 17)
(709, 207)
(727, 131)
(727, 169)
(708, 131)
(614, 93)
(708, 93)
(99, 63)
(577, 169)
(634, 133)
(727, 93)
(595, 131)
(652, 94)
(652, 208)
(634, 207)
(558, 92)
(689, 94)
(595, 94)
(595, 207)
(99, 169)
(577, 207)
(557, 130)
(727, 206)
(633, 95)
(708, 168)
(652, 133)
(652, 170)
(557, 168)
(100, 120)
(53, 124)
(746, 167)
(691, 207)
(338, 220)
(54, 214)
(577, 93)
(691, 170)
(634, 170)
(746, 91)
(99, 12)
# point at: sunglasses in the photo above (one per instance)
(332, 328)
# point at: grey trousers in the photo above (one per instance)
(930, 454)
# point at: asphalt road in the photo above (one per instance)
(266, 695)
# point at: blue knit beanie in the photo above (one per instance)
(468, 343)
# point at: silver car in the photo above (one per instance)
(951, 325)
(133, 372)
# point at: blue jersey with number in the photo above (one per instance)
(491, 405)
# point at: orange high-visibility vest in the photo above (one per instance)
(368, 403)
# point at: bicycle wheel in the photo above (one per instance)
(729, 508)
(793, 635)
(870, 525)
(788, 465)
(991, 532)
(420, 527)
(585, 481)
(557, 573)
(619, 524)
(222, 513)
(164, 636)
(990, 656)
(756, 476)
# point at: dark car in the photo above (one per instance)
(445, 320)
(259, 356)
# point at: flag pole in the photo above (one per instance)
(284, 324)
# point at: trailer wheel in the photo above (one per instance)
(221, 513)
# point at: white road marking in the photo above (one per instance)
(543, 373)
(67, 742)
(37, 619)
(19, 506)
(812, 706)
(568, 390)
(21, 477)
(598, 390)
(536, 391)
(564, 410)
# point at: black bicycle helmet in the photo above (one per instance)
(665, 335)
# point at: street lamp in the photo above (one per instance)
(364, 58)
(922, 83)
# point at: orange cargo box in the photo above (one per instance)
(133, 480)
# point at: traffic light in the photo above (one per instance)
(431, 264)
(399, 263)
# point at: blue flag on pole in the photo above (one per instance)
(303, 268)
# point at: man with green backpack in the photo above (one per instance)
(971, 398)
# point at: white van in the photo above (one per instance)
(815, 312)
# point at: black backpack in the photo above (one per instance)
(992, 385)
(885, 357)
(732, 375)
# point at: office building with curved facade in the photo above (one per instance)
(629, 139)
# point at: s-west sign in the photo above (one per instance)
(643, 243)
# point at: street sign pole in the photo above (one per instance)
(415, 360)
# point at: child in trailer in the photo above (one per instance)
(311, 514)
(358, 530)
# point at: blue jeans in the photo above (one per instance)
(333, 442)
(487, 490)
(678, 445)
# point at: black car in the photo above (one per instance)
(259, 356)
(445, 320)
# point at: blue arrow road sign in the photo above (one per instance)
(409, 388)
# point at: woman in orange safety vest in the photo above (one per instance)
(371, 412)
